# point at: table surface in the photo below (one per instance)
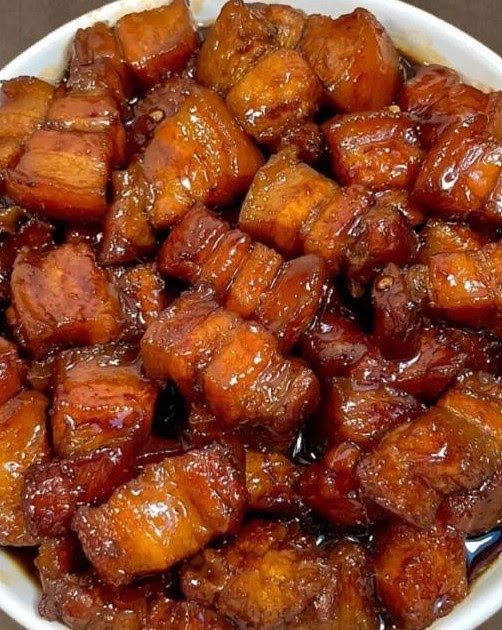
(26, 21)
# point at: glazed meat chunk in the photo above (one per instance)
(234, 366)
(464, 429)
(331, 488)
(420, 574)
(380, 149)
(437, 98)
(23, 106)
(200, 154)
(270, 482)
(355, 59)
(237, 39)
(24, 442)
(272, 575)
(461, 176)
(280, 92)
(12, 371)
(249, 278)
(171, 511)
(439, 237)
(127, 233)
(54, 490)
(61, 297)
(63, 175)
(363, 415)
(288, 21)
(157, 41)
(100, 399)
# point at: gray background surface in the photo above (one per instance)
(23, 22)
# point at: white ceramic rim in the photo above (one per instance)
(413, 29)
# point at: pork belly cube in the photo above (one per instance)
(202, 495)
(270, 482)
(382, 236)
(56, 557)
(272, 575)
(331, 488)
(282, 197)
(249, 381)
(63, 175)
(61, 297)
(397, 321)
(420, 574)
(466, 287)
(157, 41)
(279, 92)
(307, 139)
(355, 59)
(91, 112)
(364, 415)
(127, 233)
(142, 296)
(198, 155)
(100, 399)
(405, 475)
(190, 244)
(436, 98)
(237, 39)
(54, 490)
(23, 105)
(460, 173)
(97, 63)
(403, 201)
(380, 149)
(288, 21)
(12, 371)
(24, 442)
(291, 303)
(167, 614)
(439, 237)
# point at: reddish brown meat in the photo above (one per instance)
(12, 371)
(270, 482)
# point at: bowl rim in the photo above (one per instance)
(491, 602)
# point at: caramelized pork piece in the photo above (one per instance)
(439, 237)
(453, 447)
(237, 39)
(12, 371)
(288, 21)
(23, 105)
(200, 154)
(364, 414)
(167, 614)
(171, 511)
(53, 491)
(461, 176)
(279, 92)
(272, 575)
(63, 175)
(24, 442)
(142, 295)
(331, 488)
(270, 482)
(127, 233)
(157, 41)
(476, 511)
(61, 298)
(355, 59)
(100, 399)
(380, 149)
(437, 98)
(249, 278)
(90, 112)
(382, 236)
(420, 574)
(57, 557)
(307, 140)
(97, 64)
(403, 201)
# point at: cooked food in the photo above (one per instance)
(251, 335)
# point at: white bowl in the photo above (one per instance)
(413, 30)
